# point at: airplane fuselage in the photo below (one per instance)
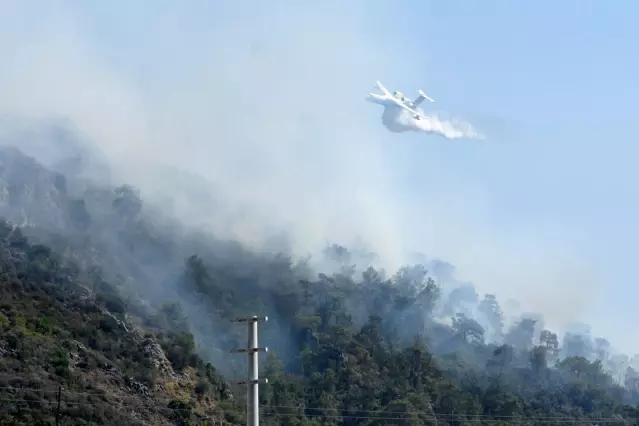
(390, 105)
(386, 101)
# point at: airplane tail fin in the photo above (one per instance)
(421, 98)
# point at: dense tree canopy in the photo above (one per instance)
(124, 317)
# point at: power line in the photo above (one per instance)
(222, 404)
(117, 408)
(425, 416)
(384, 414)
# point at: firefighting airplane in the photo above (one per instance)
(397, 101)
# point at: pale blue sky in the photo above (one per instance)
(551, 84)
(563, 78)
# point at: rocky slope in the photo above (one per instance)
(68, 347)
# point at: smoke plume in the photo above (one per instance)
(245, 120)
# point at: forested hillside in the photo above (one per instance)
(114, 314)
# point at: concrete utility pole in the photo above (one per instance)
(252, 384)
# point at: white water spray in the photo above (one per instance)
(432, 123)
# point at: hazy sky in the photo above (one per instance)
(266, 99)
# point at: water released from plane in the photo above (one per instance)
(432, 123)
(402, 115)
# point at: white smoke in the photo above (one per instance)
(272, 123)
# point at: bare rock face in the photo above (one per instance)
(156, 353)
(137, 387)
(29, 193)
(43, 175)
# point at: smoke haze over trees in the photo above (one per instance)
(205, 109)
(166, 167)
(351, 343)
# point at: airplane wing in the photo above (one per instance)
(384, 90)
(421, 98)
